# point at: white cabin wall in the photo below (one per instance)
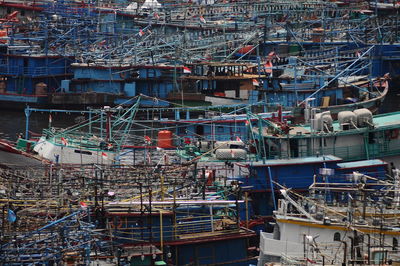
(295, 233)
(339, 145)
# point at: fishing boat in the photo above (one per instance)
(97, 139)
(258, 177)
(329, 80)
(138, 214)
(187, 230)
(30, 78)
(338, 223)
(121, 82)
(225, 83)
(90, 142)
(354, 136)
(264, 133)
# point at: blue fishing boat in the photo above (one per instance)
(260, 179)
(187, 231)
(119, 83)
(31, 79)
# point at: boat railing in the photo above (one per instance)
(6, 69)
(192, 227)
(42, 71)
(317, 253)
(385, 147)
(212, 137)
(344, 179)
(355, 152)
(73, 140)
(184, 228)
(291, 260)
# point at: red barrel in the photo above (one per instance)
(165, 139)
(247, 49)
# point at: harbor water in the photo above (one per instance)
(13, 123)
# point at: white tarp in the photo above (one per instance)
(201, 2)
(150, 4)
(205, 2)
(132, 6)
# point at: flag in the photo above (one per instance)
(187, 70)
(268, 67)
(156, 16)
(247, 122)
(104, 155)
(64, 141)
(256, 83)
(11, 216)
(13, 16)
(203, 20)
(103, 42)
(141, 32)
(272, 54)
(147, 139)
(83, 205)
(109, 146)
(238, 139)
(358, 54)
(311, 261)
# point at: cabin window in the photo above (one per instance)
(294, 147)
(234, 146)
(200, 130)
(220, 129)
(336, 236)
(371, 138)
(83, 152)
(276, 233)
(395, 243)
(182, 131)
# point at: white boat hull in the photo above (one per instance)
(72, 155)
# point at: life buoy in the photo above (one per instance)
(116, 225)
